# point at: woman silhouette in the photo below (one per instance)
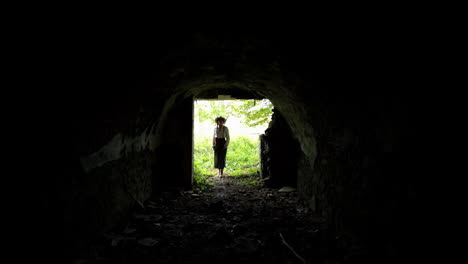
(220, 144)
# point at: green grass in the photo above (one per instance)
(242, 158)
(202, 182)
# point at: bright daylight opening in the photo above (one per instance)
(246, 121)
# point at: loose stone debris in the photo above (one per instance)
(231, 220)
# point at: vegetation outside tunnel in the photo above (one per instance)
(246, 119)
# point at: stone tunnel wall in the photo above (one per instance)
(120, 160)
(277, 143)
(112, 178)
(358, 180)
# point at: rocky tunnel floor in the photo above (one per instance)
(231, 220)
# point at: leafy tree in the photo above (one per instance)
(208, 110)
(254, 113)
(251, 112)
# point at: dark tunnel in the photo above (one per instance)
(343, 108)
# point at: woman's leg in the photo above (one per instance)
(222, 160)
(217, 159)
(220, 155)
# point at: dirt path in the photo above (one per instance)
(231, 221)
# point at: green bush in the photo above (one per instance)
(242, 157)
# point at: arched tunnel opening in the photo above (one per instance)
(246, 120)
(339, 123)
(260, 137)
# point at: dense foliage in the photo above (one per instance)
(243, 152)
(252, 112)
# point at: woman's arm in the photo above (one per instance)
(214, 138)
(228, 139)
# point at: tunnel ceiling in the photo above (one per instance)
(127, 57)
(272, 64)
(228, 93)
(126, 63)
(286, 66)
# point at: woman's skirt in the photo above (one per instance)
(220, 153)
